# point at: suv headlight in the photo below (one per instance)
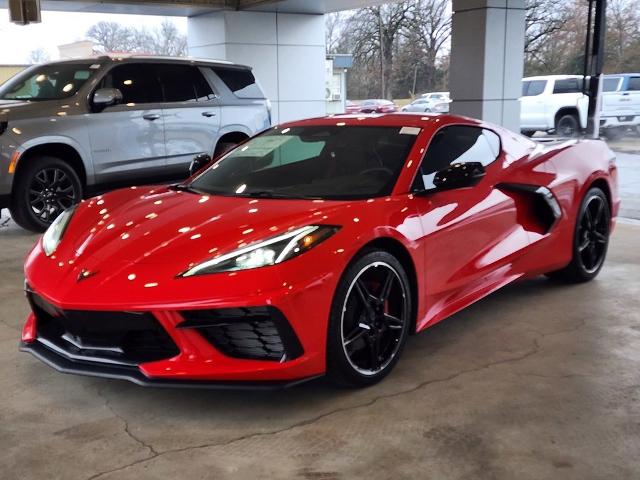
(268, 252)
(53, 236)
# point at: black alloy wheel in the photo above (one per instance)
(590, 240)
(44, 188)
(593, 233)
(370, 320)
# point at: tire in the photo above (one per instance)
(595, 211)
(59, 188)
(568, 126)
(222, 148)
(529, 133)
(365, 339)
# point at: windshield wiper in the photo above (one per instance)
(180, 187)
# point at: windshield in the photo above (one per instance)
(47, 82)
(332, 162)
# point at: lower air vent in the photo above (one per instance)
(256, 333)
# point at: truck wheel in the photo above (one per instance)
(43, 189)
(568, 126)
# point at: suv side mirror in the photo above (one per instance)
(105, 97)
(459, 175)
(198, 163)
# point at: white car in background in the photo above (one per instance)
(429, 102)
(620, 104)
(553, 103)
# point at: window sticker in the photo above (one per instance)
(263, 146)
(410, 131)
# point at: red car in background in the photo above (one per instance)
(352, 107)
(378, 106)
(316, 247)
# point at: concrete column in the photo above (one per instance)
(286, 51)
(487, 58)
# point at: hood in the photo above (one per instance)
(21, 109)
(167, 227)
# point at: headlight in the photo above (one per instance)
(269, 252)
(52, 237)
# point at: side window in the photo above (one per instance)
(240, 81)
(610, 84)
(634, 84)
(456, 144)
(137, 82)
(183, 83)
(569, 85)
(531, 88)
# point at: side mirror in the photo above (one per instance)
(198, 163)
(106, 97)
(459, 175)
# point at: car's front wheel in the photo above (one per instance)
(370, 320)
(43, 189)
(568, 126)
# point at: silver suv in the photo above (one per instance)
(71, 129)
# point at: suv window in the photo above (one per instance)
(610, 84)
(240, 81)
(457, 144)
(531, 88)
(634, 83)
(569, 85)
(183, 83)
(137, 82)
(47, 82)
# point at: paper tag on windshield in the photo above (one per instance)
(409, 131)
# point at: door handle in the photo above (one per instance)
(151, 116)
(208, 114)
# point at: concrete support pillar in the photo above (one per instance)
(286, 51)
(487, 58)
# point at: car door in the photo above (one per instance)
(127, 139)
(191, 114)
(532, 105)
(472, 233)
(632, 92)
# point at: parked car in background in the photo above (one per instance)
(352, 107)
(378, 106)
(418, 105)
(553, 103)
(436, 97)
(620, 103)
(427, 102)
(68, 129)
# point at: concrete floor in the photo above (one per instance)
(541, 380)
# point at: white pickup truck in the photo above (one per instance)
(555, 103)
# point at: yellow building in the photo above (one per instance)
(8, 71)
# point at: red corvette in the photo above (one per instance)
(314, 248)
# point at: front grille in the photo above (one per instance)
(127, 338)
(257, 333)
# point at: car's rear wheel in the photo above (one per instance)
(43, 189)
(568, 126)
(370, 320)
(591, 239)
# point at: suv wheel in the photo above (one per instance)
(568, 126)
(44, 188)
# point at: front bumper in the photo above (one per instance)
(210, 347)
(133, 374)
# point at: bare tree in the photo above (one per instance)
(39, 55)
(430, 27)
(333, 31)
(110, 36)
(114, 37)
(376, 30)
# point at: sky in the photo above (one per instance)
(59, 28)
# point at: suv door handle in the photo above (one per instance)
(151, 116)
(208, 114)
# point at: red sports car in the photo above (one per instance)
(313, 248)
